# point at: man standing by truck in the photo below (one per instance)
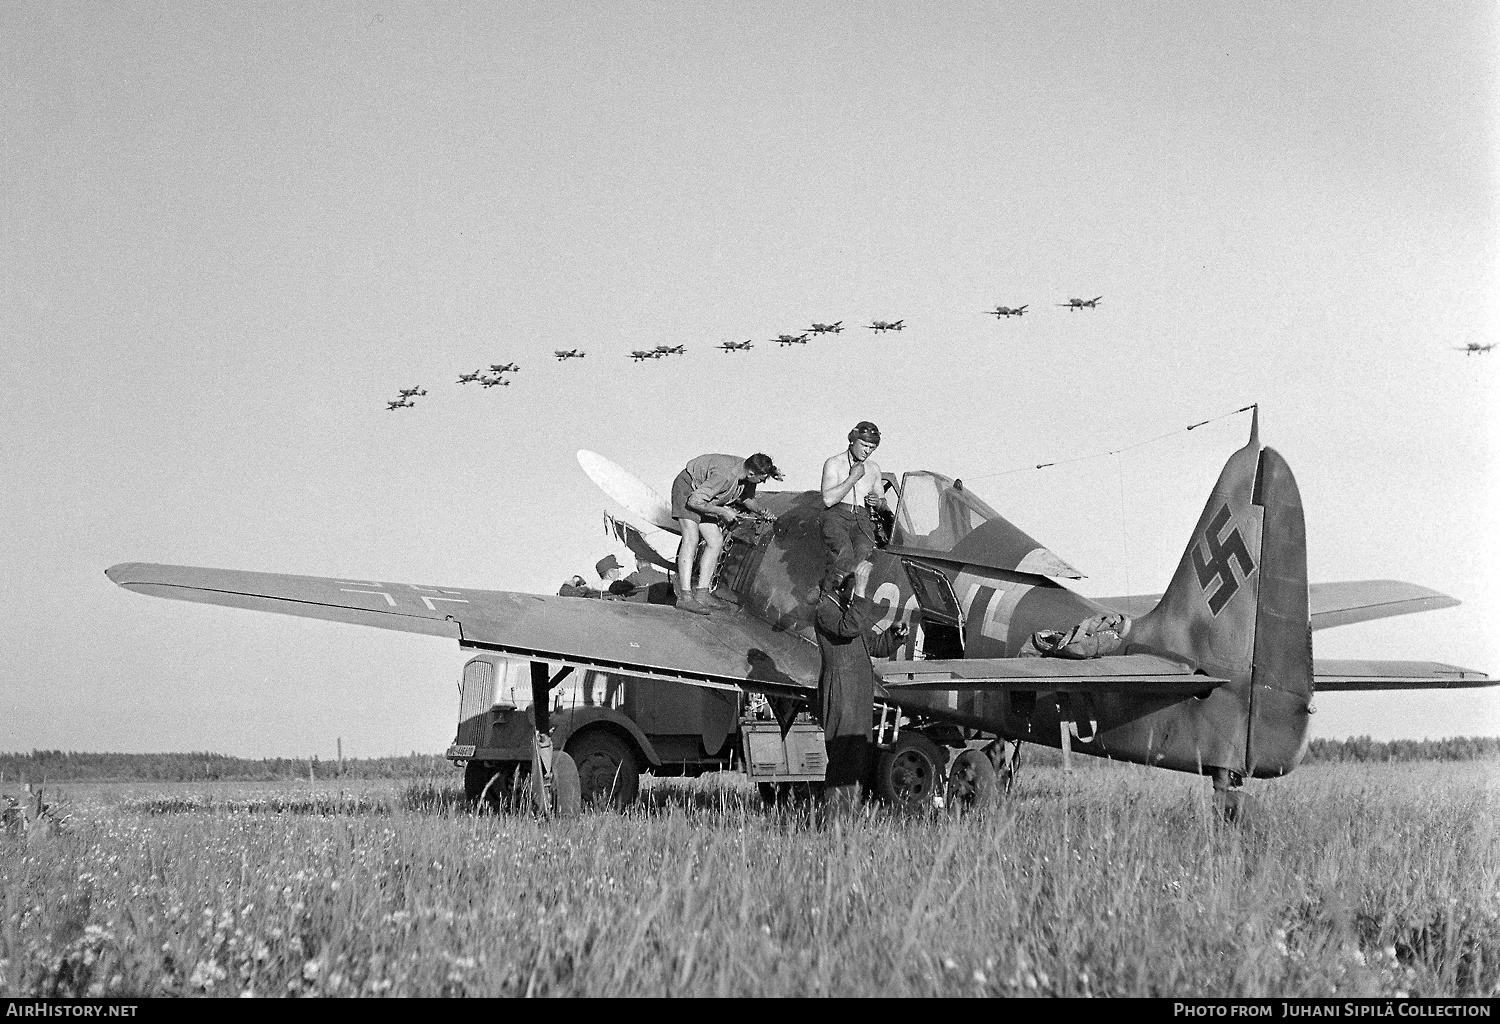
(846, 681)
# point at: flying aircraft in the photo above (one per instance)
(571, 353)
(881, 325)
(790, 339)
(465, 378)
(507, 367)
(412, 392)
(1216, 676)
(1083, 303)
(640, 354)
(669, 350)
(827, 328)
(736, 346)
(400, 403)
(489, 382)
(1000, 311)
(1473, 348)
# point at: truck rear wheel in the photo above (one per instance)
(910, 774)
(607, 768)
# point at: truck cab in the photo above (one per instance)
(615, 727)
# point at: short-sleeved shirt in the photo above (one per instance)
(717, 479)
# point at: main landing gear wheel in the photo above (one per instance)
(910, 774)
(607, 769)
(566, 798)
(972, 781)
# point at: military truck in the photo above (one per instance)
(618, 727)
(614, 727)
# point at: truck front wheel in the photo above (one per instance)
(497, 794)
(607, 768)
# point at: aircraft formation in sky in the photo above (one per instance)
(658, 352)
(495, 376)
(404, 398)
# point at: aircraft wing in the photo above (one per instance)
(1333, 604)
(1337, 674)
(1122, 673)
(730, 650)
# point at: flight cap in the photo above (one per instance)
(865, 431)
(761, 463)
(605, 564)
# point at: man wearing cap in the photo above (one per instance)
(703, 499)
(611, 577)
(846, 681)
(851, 499)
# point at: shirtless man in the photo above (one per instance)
(851, 497)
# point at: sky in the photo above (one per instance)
(230, 233)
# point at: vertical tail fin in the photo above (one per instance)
(1237, 605)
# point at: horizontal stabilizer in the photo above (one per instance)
(727, 650)
(1123, 673)
(1335, 674)
(1332, 604)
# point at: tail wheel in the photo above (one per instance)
(1005, 756)
(607, 768)
(971, 781)
(910, 774)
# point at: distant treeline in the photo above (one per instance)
(1362, 748)
(70, 766)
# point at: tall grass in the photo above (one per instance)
(1117, 880)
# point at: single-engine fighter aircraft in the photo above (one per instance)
(1215, 677)
(489, 382)
(505, 367)
(882, 325)
(1083, 303)
(1000, 311)
(836, 328)
(412, 392)
(640, 354)
(467, 378)
(400, 403)
(669, 350)
(1473, 348)
(736, 346)
(571, 353)
(790, 339)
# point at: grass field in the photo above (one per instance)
(1113, 881)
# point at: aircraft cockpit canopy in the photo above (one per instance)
(937, 516)
(934, 514)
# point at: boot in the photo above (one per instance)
(688, 603)
(705, 597)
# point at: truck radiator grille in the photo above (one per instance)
(476, 695)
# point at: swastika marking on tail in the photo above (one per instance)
(1221, 552)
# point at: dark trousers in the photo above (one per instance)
(848, 760)
(848, 539)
